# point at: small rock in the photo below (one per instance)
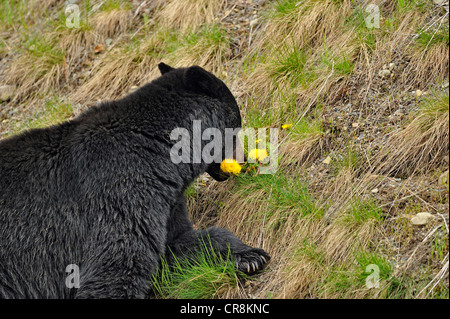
(355, 125)
(445, 85)
(399, 112)
(419, 93)
(108, 42)
(327, 160)
(7, 92)
(133, 88)
(384, 73)
(253, 22)
(391, 66)
(374, 191)
(421, 219)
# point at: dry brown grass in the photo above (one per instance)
(293, 71)
(295, 273)
(114, 75)
(17, 14)
(304, 250)
(209, 50)
(112, 23)
(46, 61)
(135, 65)
(310, 22)
(296, 53)
(303, 153)
(422, 144)
(429, 64)
(39, 68)
(187, 15)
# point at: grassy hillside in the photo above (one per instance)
(367, 149)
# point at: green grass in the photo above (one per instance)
(391, 23)
(173, 46)
(307, 127)
(281, 8)
(429, 38)
(110, 5)
(349, 158)
(44, 50)
(405, 5)
(439, 246)
(258, 117)
(312, 253)
(435, 104)
(409, 5)
(290, 63)
(283, 112)
(61, 22)
(251, 61)
(161, 43)
(354, 280)
(349, 278)
(210, 41)
(53, 112)
(343, 64)
(11, 12)
(292, 71)
(362, 211)
(284, 195)
(433, 107)
(15, 14)
(191, 191)
(364, 35)
(3, 47)
(366, 258)
(439, 292)
(202, 277)
(211, 34)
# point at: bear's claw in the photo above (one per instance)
(251, 261)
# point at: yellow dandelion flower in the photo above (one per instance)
(230, 166)
(258, 154)
(286, 126)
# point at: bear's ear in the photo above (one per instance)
(164, 68)
(200, 81)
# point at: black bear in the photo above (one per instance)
(88, 207)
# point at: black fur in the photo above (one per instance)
(101, 192)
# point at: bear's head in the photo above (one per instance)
(198, 81)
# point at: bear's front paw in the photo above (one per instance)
(251, 261)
